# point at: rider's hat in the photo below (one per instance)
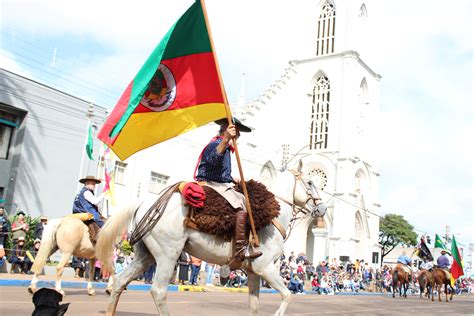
(90, 178)
(242, 128)
(443, 251)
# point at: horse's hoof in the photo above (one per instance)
(91, 292)
(62, 293)
(108, 291)
(31, 290)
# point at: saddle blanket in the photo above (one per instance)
(407, 269)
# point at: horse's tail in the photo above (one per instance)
(48, 245)
(113, 228)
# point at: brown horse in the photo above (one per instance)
(400, 278)
(441, 277)
(426, 282)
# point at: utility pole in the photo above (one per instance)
(447, 234)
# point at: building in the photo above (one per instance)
(42, 141)
(322, 110)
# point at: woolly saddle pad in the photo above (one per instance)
(217, 217)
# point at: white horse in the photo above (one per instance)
(169, 237)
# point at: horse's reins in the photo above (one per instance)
(296, 209)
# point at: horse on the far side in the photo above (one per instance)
(426, 282)
(400, 278)
(442, 277)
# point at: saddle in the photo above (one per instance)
(217, 216)
(87, 219)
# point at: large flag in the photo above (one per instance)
(90, 143)
(457, 266)
(423, 250)
(176, 90)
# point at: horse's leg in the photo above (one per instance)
(254, 291)
(90, 290)
(394, 284)
(440, 286)
(452, 292)
(110, 283)
(142, 261)
(446, 291)
(59, 271)
(159, 288)
(272, 276)
(34, 281)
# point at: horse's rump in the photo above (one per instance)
(217, 217)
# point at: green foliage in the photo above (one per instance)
(394, 231)
(126, 248)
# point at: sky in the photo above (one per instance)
(423, 50)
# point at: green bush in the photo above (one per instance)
(126, 248)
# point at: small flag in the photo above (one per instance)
(423, 250)
(440, 244)
(109, 168)
(90, 144)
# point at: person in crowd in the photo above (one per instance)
(215, 168)
(296, 285)
(78, 264)
(17, 256)
(4, 230)
(195, 268)
(300, 271)
(39, 227)
(31, 255)
(86, 202)
(292, 256)
(324, 287)
(119, 263)
(224, 273)
(315, 286)
(184, 261)
(19, 227)
(309, 270)
(210, 268)
(148, 275)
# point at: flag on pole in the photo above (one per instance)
(176, 90)
(440, 244)
(109, 168)
(90, 144)
(423, 251)
(457, 266)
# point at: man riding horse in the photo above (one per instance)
(86, 202)
(214, 169)
(406, 262)
(444, 263)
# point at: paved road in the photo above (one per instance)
(16, 301)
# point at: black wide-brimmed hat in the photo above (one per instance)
(90, 178)
(21, 213)
(242, 128)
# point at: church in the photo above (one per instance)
(320, 111)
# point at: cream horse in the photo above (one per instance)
(164, 243)
(71, 237)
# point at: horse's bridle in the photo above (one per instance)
(313, 195)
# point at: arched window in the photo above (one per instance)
(363, 13)
(326, 30)
(362, 107)
(320, 114)
(359, 228)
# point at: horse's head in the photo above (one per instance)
(306, 194)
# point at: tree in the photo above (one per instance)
(394, 231)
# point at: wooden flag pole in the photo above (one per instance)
(229, 120)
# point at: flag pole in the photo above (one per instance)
(89, 115)
(229, 120)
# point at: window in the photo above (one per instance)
(326, 30)
(119, 172)
(157, 182)
(375, 257)
(5, 139)
(319, 178)
(2, 200)
(320, 114)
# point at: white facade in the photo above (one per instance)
(322, 110)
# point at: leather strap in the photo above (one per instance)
(279, 227)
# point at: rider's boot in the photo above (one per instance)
(242, 250)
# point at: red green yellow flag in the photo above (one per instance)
(456, 267)
(176, 90)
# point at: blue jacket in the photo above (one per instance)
(404, 259)
(214, 166)
(443, 262)
(81, 205)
